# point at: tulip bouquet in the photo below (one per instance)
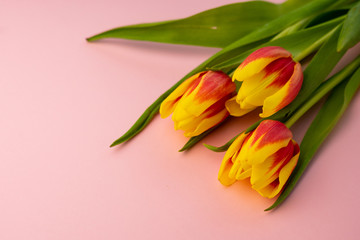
(273, 56)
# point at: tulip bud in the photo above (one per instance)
(199, 102)
(266, 156)
(270, 78)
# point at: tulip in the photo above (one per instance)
(266, 156)
(270, 78)
(199, 102)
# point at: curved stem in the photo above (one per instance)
(324, 89)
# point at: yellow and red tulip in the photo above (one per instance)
(199, 102)
(270, 78)
(266, 156)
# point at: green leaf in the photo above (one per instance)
(294, 43)
(350, 33)
(272, 28)
(325, 121)
(216, 27)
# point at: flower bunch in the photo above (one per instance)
(260, 65)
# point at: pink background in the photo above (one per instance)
(63, 101)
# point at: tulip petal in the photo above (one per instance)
(258, 60)
(234, 108)
(189, 123)
(227, 164)
(224, 176)
(268, 137)
(212, 88)
(257, 96)
(266, 172)
(271, 80)
(195, 125)
(288, 168)
(209, 122)
(240, 161)
(285, 95)
(250, 85)
(183, 120)
(276, 186)
(169, 104)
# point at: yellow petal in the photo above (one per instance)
(226, 164)
(285, 95)
(208, 122)
(266, 172)
(213, 87)
(243, 174)
(258, 60)
(234, 108)
(268, 138)
(240, 160)
(169, 104)
(275, 187)
(252, 68)
(257, 96)
(224, 175)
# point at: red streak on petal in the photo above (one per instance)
(296, 149)
(175, 101)
(217, 107)
(287, 152)
(293, 150)
(283, 153)
(215, 85)
(270, 131)
(266, 52)
(275, 183)
(295, 85)
(195, 83)
(284, 67)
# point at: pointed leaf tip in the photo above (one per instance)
(117, 142)
(215, 149)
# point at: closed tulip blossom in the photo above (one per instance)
(270, 78)
(199, 102)
(266, 156)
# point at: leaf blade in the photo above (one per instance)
(211, 28)
(350, 32)
(293, 43)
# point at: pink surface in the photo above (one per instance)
(63, 101)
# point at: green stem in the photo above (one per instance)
(324, 89)
(315, 46)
